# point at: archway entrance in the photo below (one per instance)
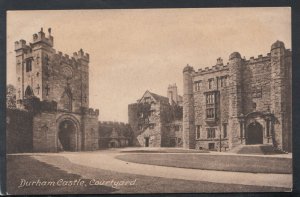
(67, 135)
(254, 133)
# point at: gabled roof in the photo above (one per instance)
(156, 97)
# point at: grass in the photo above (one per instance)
(26, 167)
(213, 162)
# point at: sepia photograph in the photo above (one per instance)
(177, 100)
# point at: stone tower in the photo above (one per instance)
(31, 65)
(235, 99)
(279, 95)
(47, 75)
(57, 87)
(188, 109)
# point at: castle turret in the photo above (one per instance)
(279, 95)
(188, 109)
(235, 99)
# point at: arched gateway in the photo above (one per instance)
(67, 135)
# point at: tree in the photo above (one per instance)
(10, 96)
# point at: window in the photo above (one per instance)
(211, 146)
(140, 127)
(211, 133)
(197, 85)
(148, 99)
(224, 130)
(210, 83)
(223, 81)
(198, 131)
(211, 105)
(28, 65)
(210, 113)
(177, 128)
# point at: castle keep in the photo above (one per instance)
(54, 90)
(242, 102)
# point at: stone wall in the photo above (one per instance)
(45, 132)
(19, 131)
(91, 134)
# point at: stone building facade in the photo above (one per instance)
(246, 101)
(54, 88)
(156, 120)
(114, 135)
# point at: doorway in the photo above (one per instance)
(254, 134)
(146, 141)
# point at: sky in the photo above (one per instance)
(134, 50)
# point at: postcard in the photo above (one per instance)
(177, 100)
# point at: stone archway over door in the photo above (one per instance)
(254, 133)
(67, 135)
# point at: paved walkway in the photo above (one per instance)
(106, 160)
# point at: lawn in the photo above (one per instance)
(214, 162)
(26, 167)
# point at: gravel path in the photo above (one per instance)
(107, 161)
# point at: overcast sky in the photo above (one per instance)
(132, 51)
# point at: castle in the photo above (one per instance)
(53, 91)
(242, 102)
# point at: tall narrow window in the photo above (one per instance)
(28, 65)
(211, 133)
(223, 81)
(197, 85)
(211, 104)
(224, 130)
(210, 83)
(198, 131)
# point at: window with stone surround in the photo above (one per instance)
(211, 105)
(210, 83)
(197, 85)
(211, 133)
(28, 65)
(223, 81)
(198, 131)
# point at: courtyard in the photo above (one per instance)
(151, 170)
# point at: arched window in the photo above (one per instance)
(66, 100)
(28, 92)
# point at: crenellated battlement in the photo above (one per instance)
(215, 68)
(41, 37)
(66, 58)
(80, 55)
(259, 58)
(90, 111)
(21, 45)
